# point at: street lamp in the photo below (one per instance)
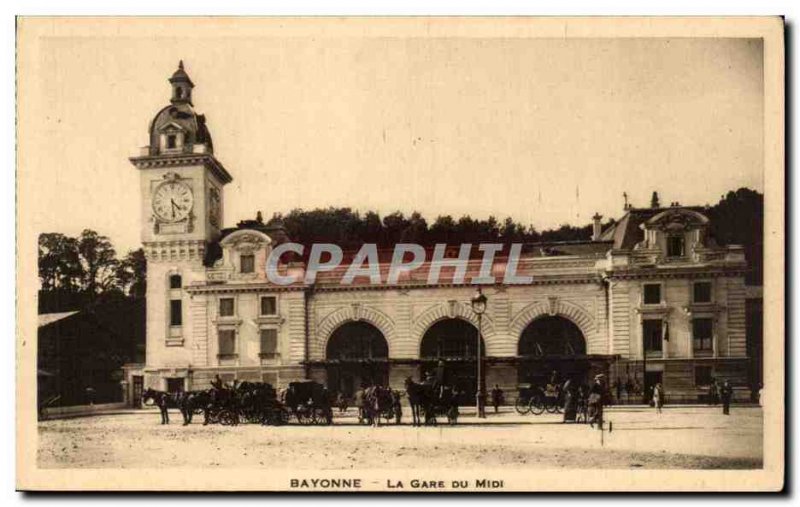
(479, 307)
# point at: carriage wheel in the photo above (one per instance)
(305, 417)
(536, 406)
(322, 417)
(551, 405)
(522, 406)
(227, 418)
(283, 416)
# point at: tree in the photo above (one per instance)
(99, 262)
(131, 274)
(738, 219)
(59, 263)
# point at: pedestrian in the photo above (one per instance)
(570, 402)
(595, 402)
(726, 392)
(618, 386)
(628, 389)
(90, 395)
(497, 397)
(713, 392)
(658, 397)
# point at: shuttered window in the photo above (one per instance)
(227, 342)
(269, 305)
(226, 307)
(269, 343)
(175, 312)
(652, 330)
(702, 334)
(248, 263)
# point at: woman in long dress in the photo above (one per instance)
(570, 402)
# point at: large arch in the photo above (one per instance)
(553, 307)
(454, 310)
(355, 313)
(448, 353)
(551, 348)
(356, 353)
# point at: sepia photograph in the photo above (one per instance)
(411, 254)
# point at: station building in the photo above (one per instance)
(650, 299)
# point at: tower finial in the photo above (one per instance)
(654, 203)
(180, 64)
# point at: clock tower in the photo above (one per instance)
(181, 188)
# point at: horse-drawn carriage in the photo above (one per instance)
(379, 402)
(249, 402)
(431, 400)
(308, 402)
(537, 400)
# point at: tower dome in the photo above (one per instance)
(177, 128)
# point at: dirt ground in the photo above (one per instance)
(692, 437)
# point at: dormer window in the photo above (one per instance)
(248, 263)
(675, 246)
(172, 141)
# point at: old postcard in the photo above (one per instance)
(400, 254)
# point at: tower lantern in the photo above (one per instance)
(181, 86)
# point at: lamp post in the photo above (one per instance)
(479, 307)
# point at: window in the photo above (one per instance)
(175, 282)
(179, 92)
(652, 294)
(171, 141)
(227, 342)
(269, 305)
(175, 312)
(703, 334)
(175, 385)
(269, 343)
(675, 246)
(703, 375)
(702, 292)
(247, 263)
(226, 307)
(651, 331)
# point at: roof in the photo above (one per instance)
(45, 319)
(626, 233)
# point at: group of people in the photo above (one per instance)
(585, 402)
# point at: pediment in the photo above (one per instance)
(677, 220)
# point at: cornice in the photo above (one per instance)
(206, 159)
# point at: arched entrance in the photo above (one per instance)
(357, 353)
(448, 351)
(552, 344)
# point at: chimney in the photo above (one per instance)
(597, 227)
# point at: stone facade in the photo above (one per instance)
(212, 311)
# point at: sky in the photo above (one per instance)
(547, 131)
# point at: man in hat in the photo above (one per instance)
(726, 393)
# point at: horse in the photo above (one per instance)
(194, 401)
(380, 401)
(163, 400)
(417, 398)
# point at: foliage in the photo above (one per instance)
(83, 270)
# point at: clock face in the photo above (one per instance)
(173, 201)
